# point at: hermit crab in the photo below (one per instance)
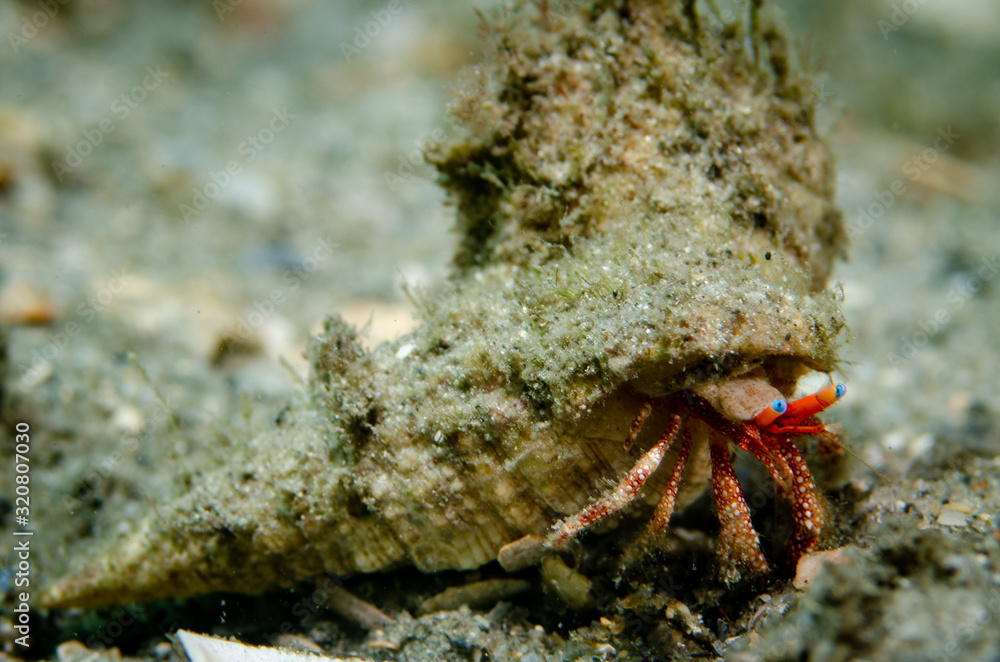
(645, 223)
(751, 414)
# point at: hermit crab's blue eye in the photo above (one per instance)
(772, 412)
(841, 390)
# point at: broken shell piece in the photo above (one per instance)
(201, 648)
(810, 564)
(477, 595)
(522, 553)
(571, 587)
(955, 514)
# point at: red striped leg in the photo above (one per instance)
(775, 463)
(739, 545)
(623, 494)
(664, 510)
(637, 422)
(809, 511)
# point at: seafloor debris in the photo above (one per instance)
(200, 648)
(644, 205)
(477, 595)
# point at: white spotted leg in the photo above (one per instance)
(624, 493)
(809, 512)
(665, 509)
(739, 544)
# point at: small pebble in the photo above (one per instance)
(22, 303)
(810, 564)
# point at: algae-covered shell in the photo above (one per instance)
(643, 205)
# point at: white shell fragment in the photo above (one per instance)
(200, 648)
